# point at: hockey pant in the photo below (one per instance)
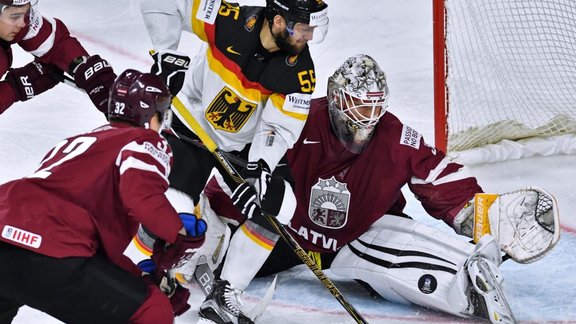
(77, 290)
(409, 262)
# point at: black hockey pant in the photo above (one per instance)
(73, 289)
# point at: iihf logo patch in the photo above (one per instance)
(427, 284)
(21, 236)
(329, 203)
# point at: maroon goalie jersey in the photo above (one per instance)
(90, 193)
(341, 194)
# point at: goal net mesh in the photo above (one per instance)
(511, 70)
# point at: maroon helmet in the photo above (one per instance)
(135, 97)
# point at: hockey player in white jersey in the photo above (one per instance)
(248, 89)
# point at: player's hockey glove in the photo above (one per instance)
(272, 192)
(258, 175)
(32, 79)
(171, 66)
(169, 256)
(177, 294)
(95, 76)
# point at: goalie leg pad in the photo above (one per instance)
(409, 262)
(487, 298)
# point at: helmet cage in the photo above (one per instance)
(362, 112)
(358, 97)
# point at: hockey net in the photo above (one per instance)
(505, 72)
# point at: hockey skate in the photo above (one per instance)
(486, 296)
(223, 306)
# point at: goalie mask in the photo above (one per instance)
(357, 98)
(135, 97)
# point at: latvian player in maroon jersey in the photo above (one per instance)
(65, 227)
(349, 166)
(49, 41)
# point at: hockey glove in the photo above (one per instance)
(171, 66)
(177, 294)
(245, 199)
(32, 79)
(272, 192)
(257, 174)
(169, 256)
(95, 76)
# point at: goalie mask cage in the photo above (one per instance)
(504, 70)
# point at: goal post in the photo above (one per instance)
(504, 70)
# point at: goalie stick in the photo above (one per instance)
(237, 178)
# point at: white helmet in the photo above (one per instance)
(357, 98)
(15, 3)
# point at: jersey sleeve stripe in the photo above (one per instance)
(133, 163)
(48, 43)
(435, 178)
(149, 149)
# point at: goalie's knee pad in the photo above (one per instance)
(409, 262)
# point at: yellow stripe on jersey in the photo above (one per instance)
(258, 239)
(140, 246)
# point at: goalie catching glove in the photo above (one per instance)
(525, 222)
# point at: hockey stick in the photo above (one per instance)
(234, 175)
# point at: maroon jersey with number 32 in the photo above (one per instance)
(90, 193)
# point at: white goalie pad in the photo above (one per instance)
(525, 222)
(409, 262)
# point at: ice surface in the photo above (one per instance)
(398, 34)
